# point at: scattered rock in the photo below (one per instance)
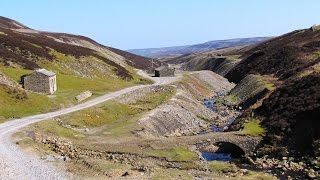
(125, 174)
(244, 171)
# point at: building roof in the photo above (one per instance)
(46, 72)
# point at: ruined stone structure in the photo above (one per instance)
(41, 80)
(84, 95)
(164, 71)
(315, 27)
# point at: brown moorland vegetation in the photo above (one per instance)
(291, 112)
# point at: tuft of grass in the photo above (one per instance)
(174, 154)
(316, 67)
(307, 72)
(253, 127)
(270, 86)
(315, 55)
(233, 99)
(222, 167)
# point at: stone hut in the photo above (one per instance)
(41, 80)
(164, 71)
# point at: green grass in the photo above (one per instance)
(73, 83)
(224, 167)
(99, 116)
(152, 100)
(14, 73)
(174, 154)
(253, 128)
(53, 128)
(13, 107)
(317, 54)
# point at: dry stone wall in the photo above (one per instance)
(37, 82)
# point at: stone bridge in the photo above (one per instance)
(233, 143)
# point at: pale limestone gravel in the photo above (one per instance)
(214, 81)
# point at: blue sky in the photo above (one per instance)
(128, 24)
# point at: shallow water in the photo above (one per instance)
(216, 129)
(216, 156)
(211, 104)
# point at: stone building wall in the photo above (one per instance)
(165, 72)
(38, 82)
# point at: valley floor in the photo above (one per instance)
(141, 132)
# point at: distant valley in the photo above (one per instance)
(188, 49)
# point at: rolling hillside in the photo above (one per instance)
(79, 62)
(278, 83)
(207, 46)
(291, 111)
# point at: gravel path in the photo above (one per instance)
(15, 164)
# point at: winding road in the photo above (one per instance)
(16, 164)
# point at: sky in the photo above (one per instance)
(132, 24)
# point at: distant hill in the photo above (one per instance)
(188, 49)
(38, 43)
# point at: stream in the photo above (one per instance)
(215, 104)
(216, 156)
